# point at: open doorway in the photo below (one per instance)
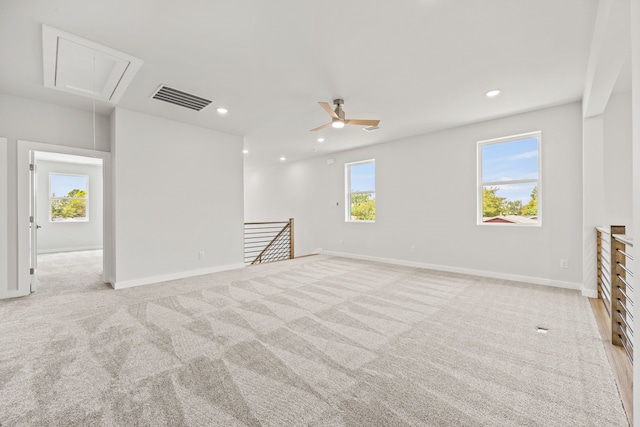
(68, 229)
(56, 230)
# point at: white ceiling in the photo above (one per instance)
(417, 65)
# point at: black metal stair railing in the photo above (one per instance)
(268, 241)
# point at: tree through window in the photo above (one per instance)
(68, 197)
(509, 180)
(361, 191)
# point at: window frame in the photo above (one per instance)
(481, 185)
(347, 168)
(85, 199)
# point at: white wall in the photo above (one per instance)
(291, 191)
(29, 120)
(178, 190)
(69, 236)
(3, 216)
(593, 190)
(426, 197)
(25, 119)
(634, 17)
(617, 162)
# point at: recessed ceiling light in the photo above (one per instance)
(493, 93)
(320, 139)
(222, 110)
(283, 158)
(245, 151)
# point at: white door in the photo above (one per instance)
(33, 221)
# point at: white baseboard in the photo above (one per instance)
(75, 249)
(6, 294)
(589, 293)
(481, 273)
(174, 276)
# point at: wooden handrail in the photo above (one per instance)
(613, 283)
(617, 299)
(291, 252)
(615, 295)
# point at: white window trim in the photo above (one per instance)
(86, 199)
(348, 192)
(481, 185)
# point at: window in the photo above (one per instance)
(509, 180)
(68, 197)
(361, 191)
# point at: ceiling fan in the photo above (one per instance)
(337, 117)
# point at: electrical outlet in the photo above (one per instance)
(341, 242)
(201, 255)
(413, 249)
(564, 263)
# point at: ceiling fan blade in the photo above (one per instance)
(321, 127)
(326, 107)
(362, 122)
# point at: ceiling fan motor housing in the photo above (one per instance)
(339, 112)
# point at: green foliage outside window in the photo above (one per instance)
(363, 207)
(531, 208)
(494, 205)
(71, 206)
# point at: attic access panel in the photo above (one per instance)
(79, 66)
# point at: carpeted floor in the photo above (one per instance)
(319, 341)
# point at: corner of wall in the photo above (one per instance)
(4, 249)
(635, 108)
(109, 220)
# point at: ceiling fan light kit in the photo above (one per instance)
(338, 119)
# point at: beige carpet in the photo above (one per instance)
(319, 341)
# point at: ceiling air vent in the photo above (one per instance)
(183, 99)
(371, 128)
